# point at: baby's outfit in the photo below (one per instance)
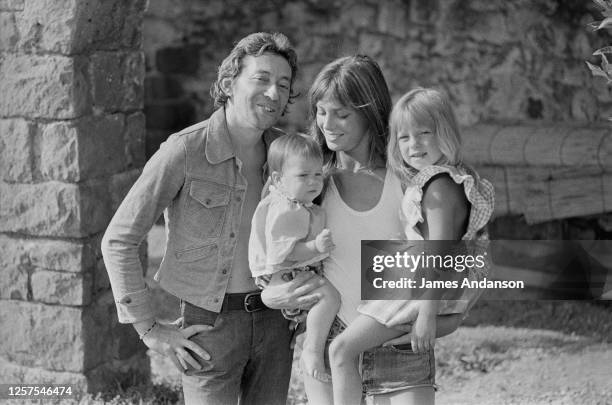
(279, 222)
(480, 195)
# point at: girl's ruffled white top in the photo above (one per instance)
(278, 224)
(480, 194)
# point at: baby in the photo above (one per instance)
(288, 235)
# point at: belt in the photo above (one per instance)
(249, 302)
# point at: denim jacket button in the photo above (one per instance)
(216, 300)
(238, 199)
(207, 201)
(232, 234)
(224, 271)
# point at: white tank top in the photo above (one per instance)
(348, 228)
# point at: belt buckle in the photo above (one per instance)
(251, 307)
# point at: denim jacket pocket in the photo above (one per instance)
(197, 253)
(205, 209)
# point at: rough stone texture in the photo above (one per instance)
(53, 287)
(40, 209)
(359, 15)
(120, 184)
(47, 25)
(16, 155)
(121, 340)
(44, 86)
(109, 25)
(11, 5)
(26, 265)
(54, 208)
(11, 372)
(8, 31)
(70, 27)
(14, 281)
(117, 80)
(54, 336)
(101, 281)
(85, 148)
(498, 60)
(50, 254)
(134, 141)
(392, 19)
(95, 205)
(59, 158)
(70, 120)
(58, 337)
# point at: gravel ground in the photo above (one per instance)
(501, 365)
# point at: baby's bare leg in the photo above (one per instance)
(362, 334)
(318, 322)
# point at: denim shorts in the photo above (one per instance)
(389, 369)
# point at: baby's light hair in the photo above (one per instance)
(291, 146)
(429, 108)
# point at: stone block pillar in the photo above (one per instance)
(71, 144)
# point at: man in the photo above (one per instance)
(207, 179)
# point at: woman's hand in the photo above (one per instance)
(446, 324)
(424, 330)
(297, 293)
(401, 340)
(169, 340)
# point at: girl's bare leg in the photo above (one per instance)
(362, 334)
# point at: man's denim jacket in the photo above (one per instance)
(195, 180)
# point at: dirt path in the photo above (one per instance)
(497, 365)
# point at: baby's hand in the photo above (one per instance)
(324, 242)
(424, 331)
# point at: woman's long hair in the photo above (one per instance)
(358, 83)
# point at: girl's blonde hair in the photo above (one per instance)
(429, 108)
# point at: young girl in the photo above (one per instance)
(444, 200)
(288, 236)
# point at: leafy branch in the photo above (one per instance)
(605, 68)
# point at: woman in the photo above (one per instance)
(349, 106)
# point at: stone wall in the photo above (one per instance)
(518, 65)
(71, 144)
(499, 60)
